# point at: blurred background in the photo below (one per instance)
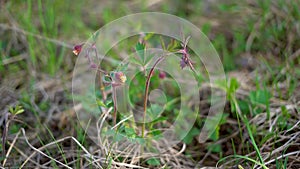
(257, 41)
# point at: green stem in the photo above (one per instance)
(245, 120)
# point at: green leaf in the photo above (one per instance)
(192, 133)
(148, 36)
(11, 110)
(215, 148)
(159, 119)
(122, 67)
(233, 85)
(244, 106)
(19, 111)
(162, 43)
(14, 128)
(215, 135)
(149, 57)
(260, 97)
(154, 111)
(206, 28)
(222, 84)
(95, 35)
(134, 60)
(140, 140)
(153, 161)
(106, 79)
(140, 49)
(130, 132)
(157, 134)
(171, 104)
(214, 123)
(173, 45)
(100, 103)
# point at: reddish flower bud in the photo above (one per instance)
(162, 75)
(185, 59)
(120, 77)
(77, 49)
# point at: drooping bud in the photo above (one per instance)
(120, 77)
(162, 74)
(77, 49)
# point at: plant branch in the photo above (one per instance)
(102, 89)
(147, 90)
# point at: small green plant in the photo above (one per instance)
(260, 100)
(153, 162)
(141, 132)
(231, 89)
(9, 116)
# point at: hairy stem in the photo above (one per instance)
(102, 89)
(115, 105)
(99, 73)
(146, 92)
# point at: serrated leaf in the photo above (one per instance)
(135, 61)
(122, 67)
(149, 57)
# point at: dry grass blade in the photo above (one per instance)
(39, 150)
(10, 148)
(25, 156)
(283, 156)
(125, 119)
(127, 165)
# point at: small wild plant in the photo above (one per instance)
(116, 78)
(9, 117)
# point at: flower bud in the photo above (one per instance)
(77, 49)
(120, 77)
(162, 74)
